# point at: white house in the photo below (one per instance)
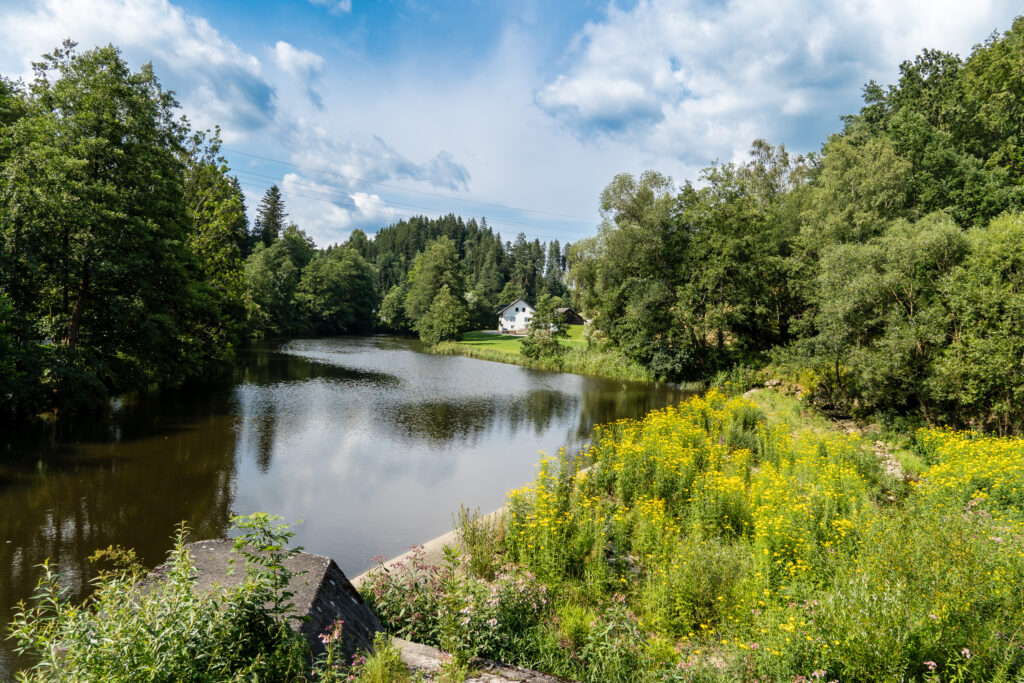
(514, 318)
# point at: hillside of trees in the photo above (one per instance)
(883, 273)
(127, 257)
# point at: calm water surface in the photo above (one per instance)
(370, 442)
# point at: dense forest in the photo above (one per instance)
(127, 258)
(883, 273)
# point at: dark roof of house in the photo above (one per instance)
(514, 302)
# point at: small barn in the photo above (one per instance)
(514, 318)
(570, 316)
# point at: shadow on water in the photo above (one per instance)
(371, 442)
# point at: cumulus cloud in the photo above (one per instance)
(302, 64)
(221, 82)
(335, 6)
(371, 158)
(330, 211)
(699, 80)
(295, 61)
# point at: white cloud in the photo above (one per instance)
(370, 158)
(295, 61)
(258, 102)
(335, 6)
(699, 80)
(221, 82)
(329, 212)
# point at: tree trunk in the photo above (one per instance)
(76, 316)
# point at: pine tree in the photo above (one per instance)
(270, 217)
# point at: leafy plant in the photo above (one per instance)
(133, 628)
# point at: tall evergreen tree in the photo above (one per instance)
(270, 217)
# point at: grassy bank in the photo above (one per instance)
(733, 539)
(577, 358)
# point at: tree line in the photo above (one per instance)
(885, 272)
(127, 257)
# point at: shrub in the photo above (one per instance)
(684, 555)
(133, 628)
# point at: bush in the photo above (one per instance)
(684, 555)
(446, 607)
(134, 628)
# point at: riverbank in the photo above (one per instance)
(741, 538)
(577, 358)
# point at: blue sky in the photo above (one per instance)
(367, 112)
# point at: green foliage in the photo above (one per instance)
(270, 215)
(679, 279)
(445, 320)
(609, 363)
(441, 605)
(479, 537)
(977, 375)
(216, 241)
(271, 280)
(383, 665)
(392, 310)
(104, 255)
(854, 269)
(685, 554)
(133, 628)
(338, 294)
(547, 328)
(436, 268)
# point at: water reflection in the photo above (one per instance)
(372, 443)
(465, 420)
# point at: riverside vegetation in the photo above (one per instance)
(571, 353)
(132, 628)
(882, 273)
(712, 541)
(719, 539)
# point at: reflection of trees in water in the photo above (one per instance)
(70, 500)
(467, 418)
(266, 428)
(264, 365)
(604, 401)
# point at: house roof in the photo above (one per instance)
(513, 303)
(563, 310)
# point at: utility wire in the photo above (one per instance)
(433, 213)
(407, 189)
(343, 199)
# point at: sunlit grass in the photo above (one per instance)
(504, 348)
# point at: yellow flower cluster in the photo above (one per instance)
(728, 530)
(973, 471)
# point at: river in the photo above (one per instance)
(372, 443)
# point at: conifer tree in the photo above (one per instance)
(270, 217)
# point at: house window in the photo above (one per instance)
(517, 310)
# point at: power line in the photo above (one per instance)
(407, 212)
(408, 189)
(338, 197)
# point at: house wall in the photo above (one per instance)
(515, 321)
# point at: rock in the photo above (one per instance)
(321, 592)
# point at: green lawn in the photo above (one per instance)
(511, 344)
